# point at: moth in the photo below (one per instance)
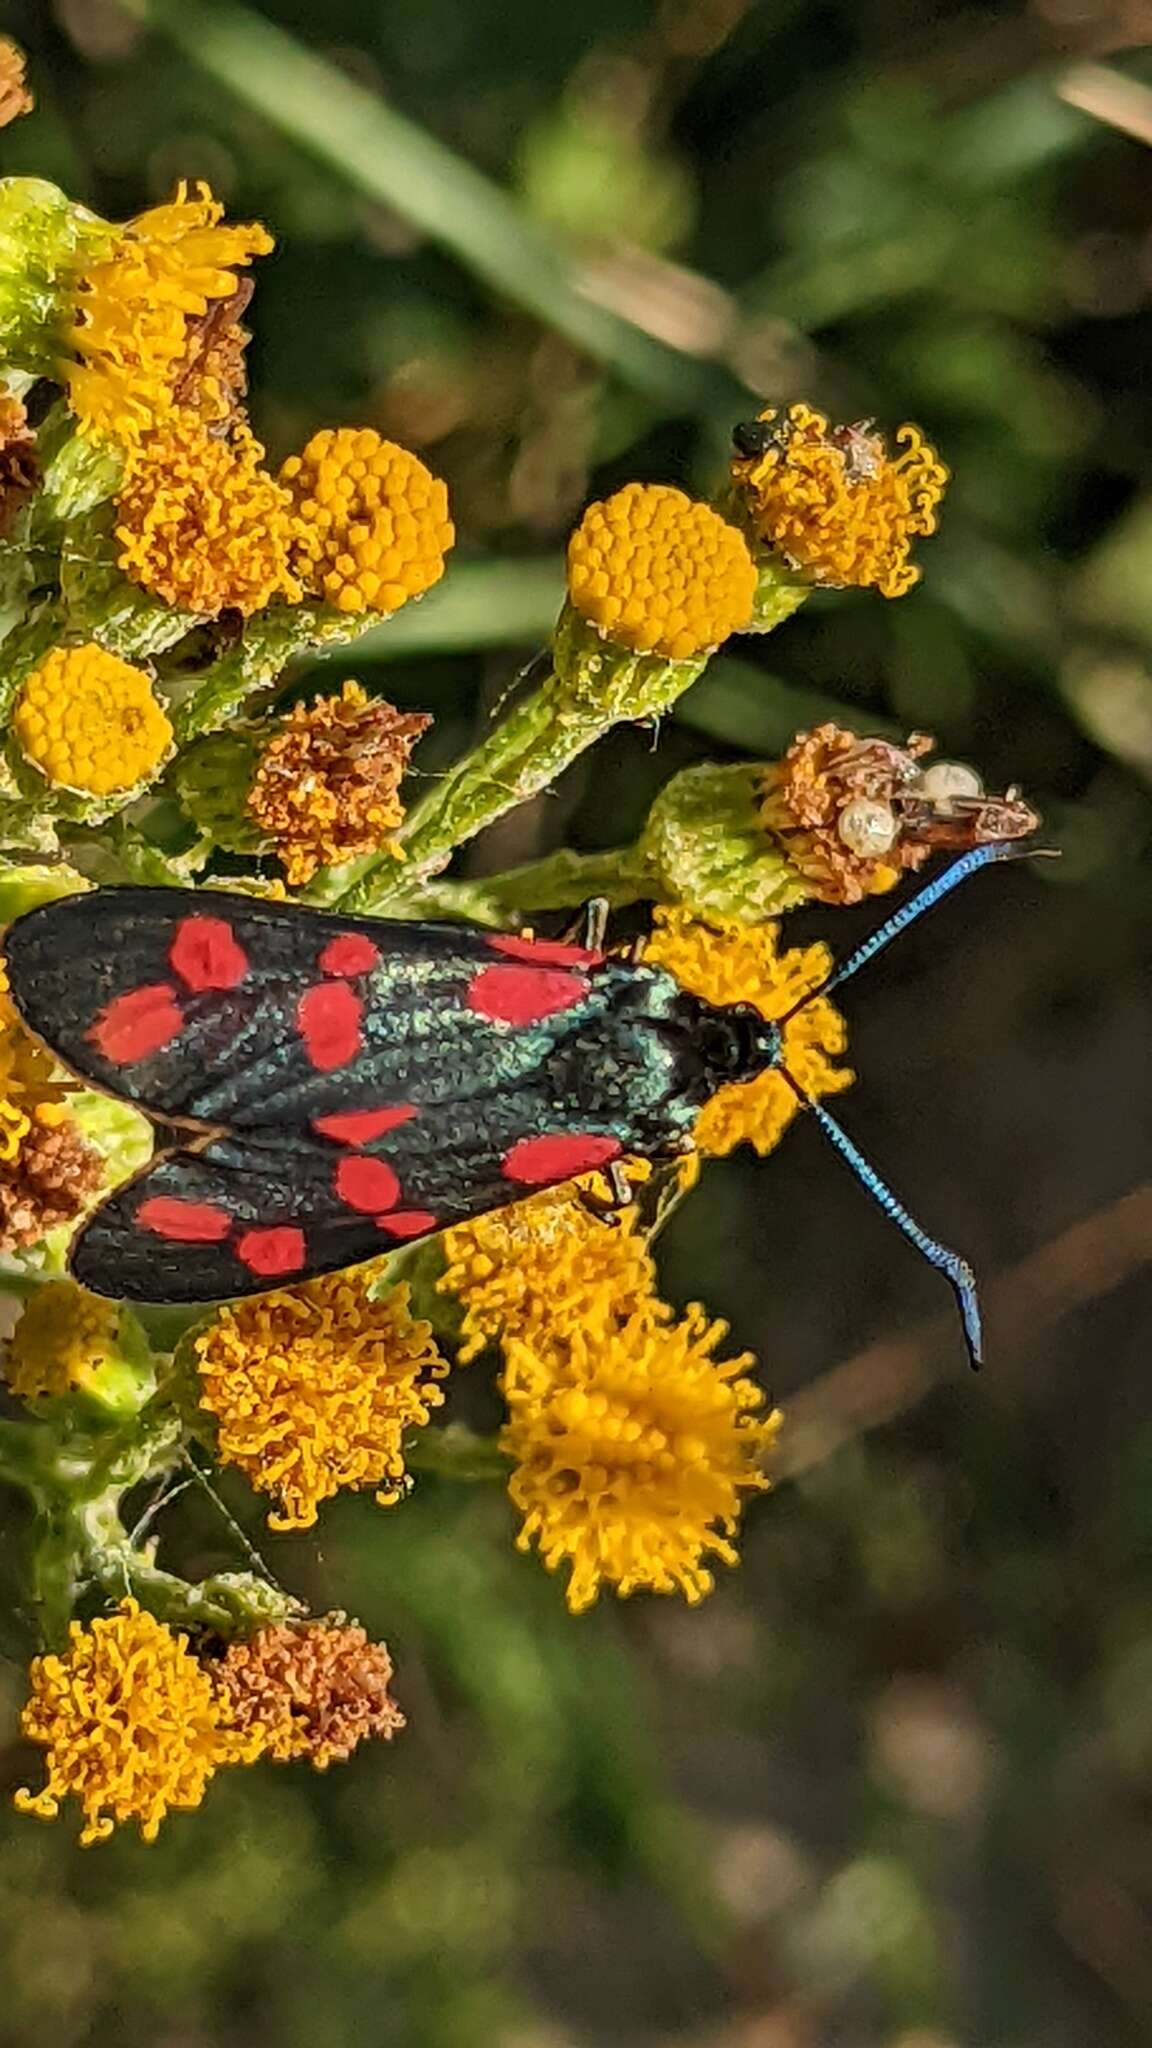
(327, 1088)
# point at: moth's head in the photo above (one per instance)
(735, 1043)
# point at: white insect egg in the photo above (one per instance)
(945, 779)
(867, 826)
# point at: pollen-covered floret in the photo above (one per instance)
(62, 1339)
(835, 503)
(131, 1725)
(326, 783)
(660, 573)
(201, 524)
(313, 1388)
(633, 1447)
(135, 309)
(89, 721)
(372, 524)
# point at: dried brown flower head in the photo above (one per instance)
(19, 464)
(325, 785)
(213, 379)
(316, 1688)
(15, 98)
(53, 1176)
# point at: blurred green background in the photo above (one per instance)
(890, 1787)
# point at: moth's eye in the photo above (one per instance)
(727, 1041)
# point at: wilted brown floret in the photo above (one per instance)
(15, 98)
(213, 380)
(317, 1689)
(55, 1173)
(807, 793)
(325, 787)
(19, 467)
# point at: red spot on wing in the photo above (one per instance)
(269, 1252)
(184, 1222)
(206, 954)
(558, 1155)
(407, 1222)
(523, 995)
(357, 1126)
(328, 1016)
(367, 1184)
(544, 952)
(351, 953)
(138, 1023)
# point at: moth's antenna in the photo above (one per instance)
(954, 1268)
(926, 899)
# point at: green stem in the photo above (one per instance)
(270, 640)
(560, 881)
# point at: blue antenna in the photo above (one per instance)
(956, 1269)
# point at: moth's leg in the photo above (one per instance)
(621, 1194)
(590, 926)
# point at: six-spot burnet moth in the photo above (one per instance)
(330, 1088)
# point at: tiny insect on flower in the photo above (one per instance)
(832, 500)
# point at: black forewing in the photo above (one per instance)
(238, 1060)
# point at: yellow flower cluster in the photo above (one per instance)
(133, 312)
(15, 98)
(131, 1724)
(542, 1269)
(313, 1387)
(326, 782)
(62, 1339)
(201, 524)
(836, 504)
(28, 1076)
(727, 962)
(372, 522)
(633, 1447)
(660, 573)
(90, 723)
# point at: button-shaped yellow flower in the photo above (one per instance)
(659, 573)
(89, 722)
(727, 962)
(131, 1725)
(834, 502)
(313, 1387)
(372, 524)
(63, 1338)
(633, 1450)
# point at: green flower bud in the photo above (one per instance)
(24, 886)
(705, 846)
(212, 779)
(45, 239)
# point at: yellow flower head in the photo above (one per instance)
(49, 1178)
(325, 787)
(29, 1076)
(372, 525)
(201, 524)
(658, 572)
(314, 1689)
(89, 722)
(835, 504)
(727, 962)
(544, 1268)
(62, 1339)
(135, 310)
(313, 1388)
(633, 1447)
(131, 1725)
